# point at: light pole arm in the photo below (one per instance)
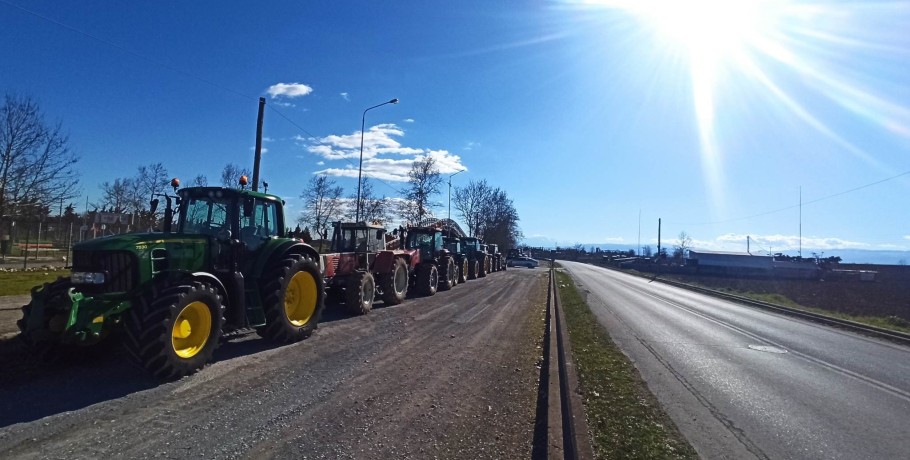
(363, 122)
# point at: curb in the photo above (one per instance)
(567, 427)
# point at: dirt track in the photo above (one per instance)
(451, 376)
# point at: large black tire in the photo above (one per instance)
(473, 267)
(359, 293)
(484, 266)
(447, 274)
(44, 342)
(293, 294)
(427, 278)
(175, 330)
(394, 285)
(463, 270)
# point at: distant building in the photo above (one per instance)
(732, 263)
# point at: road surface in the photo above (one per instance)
(452, 376)
(744, 383)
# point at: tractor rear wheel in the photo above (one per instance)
(427, 278)
(447, 274)
(394, 285)
(175, 330)
(293, 293)
(484, 266)
(472, 269)
(359, 293)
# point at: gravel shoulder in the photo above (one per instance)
(450, 376)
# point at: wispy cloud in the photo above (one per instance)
(345, 96)
(384, 156)
(779, 242)
(471, 145)
(614, 240)
(289, 90)
(408, 120)
(284, 104)
(907, 237)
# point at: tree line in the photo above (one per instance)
(37, 174)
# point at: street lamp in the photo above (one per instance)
(360, 168)
(449, 223)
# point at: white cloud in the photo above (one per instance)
(320, 163)
(284, 104)
(289, 90)
(408, 120)
(345, 96)
(268, 139)
(471, 145)
(614, 240)
(907, 237)
(775, 243)
(377, 140)
(264, 150)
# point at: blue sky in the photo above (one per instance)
(711, 117)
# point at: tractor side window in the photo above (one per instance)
(259, 224)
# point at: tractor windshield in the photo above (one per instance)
(418, 240)
(205, 215)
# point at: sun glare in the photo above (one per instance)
(834, 53)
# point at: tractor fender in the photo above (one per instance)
(182, 275)
(272, 253)
(384, 262)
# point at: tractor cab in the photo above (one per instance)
(357, 237)
(428, 240)
(452, 244)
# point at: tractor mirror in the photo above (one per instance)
(153, 206)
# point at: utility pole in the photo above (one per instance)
(658, 239)
(800, 221)
(639, 233)
(258, 145)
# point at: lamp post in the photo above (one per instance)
(360, 168)
(449, 223)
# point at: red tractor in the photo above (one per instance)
(434, 267)
(359, 267)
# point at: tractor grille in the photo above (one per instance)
(119, 266)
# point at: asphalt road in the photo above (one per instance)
(745, 383)
(449, 376)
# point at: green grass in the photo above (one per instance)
(886, 322)
(21, 282)
(624, 418)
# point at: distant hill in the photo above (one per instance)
(848, 256)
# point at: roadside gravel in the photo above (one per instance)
(450, 376)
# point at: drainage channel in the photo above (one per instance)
(560, 427)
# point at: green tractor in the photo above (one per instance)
(170, 295)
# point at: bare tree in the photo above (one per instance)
(683, 244)
(322, 204)
(200, 181)
(36, 164)
(230, 175)
(372, 208)
(118, 196)
(424, 182)
(469, 201)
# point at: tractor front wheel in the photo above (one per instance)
(394, 284)
(293, 294)
(359, 293)
(175, 331)
(463, 271)
(427, 278)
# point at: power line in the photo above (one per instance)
(787, 208)
(179, 71)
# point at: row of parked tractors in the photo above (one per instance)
(361, 268)
(223, 262)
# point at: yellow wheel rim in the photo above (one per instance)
(300, 298)
(191, 330)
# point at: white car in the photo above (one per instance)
(522, 262)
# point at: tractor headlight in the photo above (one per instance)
(88, 278)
